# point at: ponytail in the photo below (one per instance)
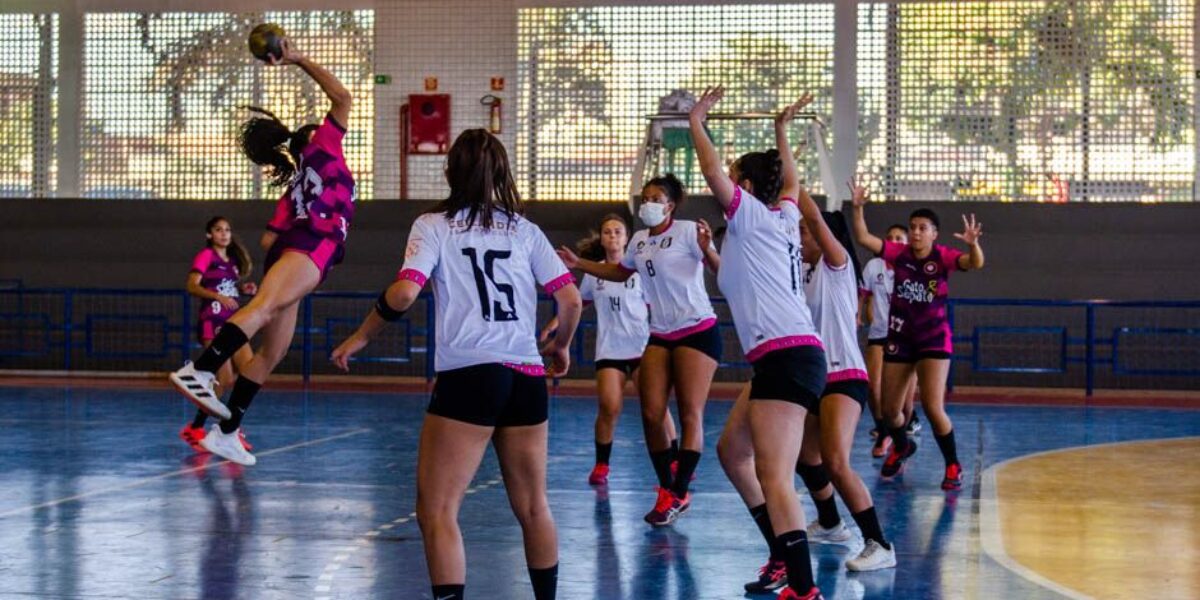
(765, 172)
(263, 139)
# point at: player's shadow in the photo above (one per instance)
(230, 523)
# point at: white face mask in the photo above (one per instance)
(653, 213)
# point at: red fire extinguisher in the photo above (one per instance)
(495, 113)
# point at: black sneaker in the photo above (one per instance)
(914, 424)
(771, 577)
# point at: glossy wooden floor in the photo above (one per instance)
(1108, 521)
(99, 499)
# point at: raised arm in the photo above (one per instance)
(390, 306)
(791, 175)
(832, 251)
(338, 95)
(972, 231)
(602, 270)
(706, 152)
(858, 222)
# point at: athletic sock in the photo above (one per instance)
(199, 420)
(545, 582)
(899, 439)
(243, 394)
(662, 467)
(448, 592)
(674, 450)
(688, 459)
(228, 340)
(948, 447)
(880, 428)
(868, 523)
(763, 520)
(794, 545)
(827, 514)
(603, 452)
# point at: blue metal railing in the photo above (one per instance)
(109, 326)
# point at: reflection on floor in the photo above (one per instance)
(100, 499)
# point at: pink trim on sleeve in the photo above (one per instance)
(950, 258)
(412, 275)
(559, 283)
(790, 199)
(735, 203)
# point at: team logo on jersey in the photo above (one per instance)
(641, 244)
(931, 268)
(414, 246)
(666, 243)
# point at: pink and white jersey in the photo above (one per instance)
(832, 295)
(622, 319)
(761, 276)
(320, 197)
(485, 284)
(878, 279)
(216, 275)
(671, 266)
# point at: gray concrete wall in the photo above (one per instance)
(1117, 251)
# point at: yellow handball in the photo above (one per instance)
(265, 41)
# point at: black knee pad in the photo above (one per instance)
(815, 476)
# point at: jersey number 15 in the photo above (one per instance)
(500, 308)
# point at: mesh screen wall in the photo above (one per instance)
(162, 93)
(28, 104)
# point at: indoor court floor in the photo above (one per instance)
(101, 500)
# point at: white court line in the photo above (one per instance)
(991, 537)
(154, 478)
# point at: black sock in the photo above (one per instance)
(763, 520)
(674, 450)
(662, 467)
(688, 459)
(868, 523)
(948, 447)
(200, 419)
(448, 592)
(545, 582)
(899, 438)
(827, 514)
(603, 452)
(794, 545)
(243, 394)
(229, 339)
(880, 428)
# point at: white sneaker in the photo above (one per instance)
(228, 446)
(838, 534)
(873, 558)
(201, 388)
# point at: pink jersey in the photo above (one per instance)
(918, 304)
(320, 198)
(216, 275)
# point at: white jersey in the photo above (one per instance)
(761, 276)
(878, 279)
(671, 266)
(622, 320)
(832, 294)
(484, 286)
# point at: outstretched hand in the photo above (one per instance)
(860, 195)
(789, 112)
(972, 231)
(569, 258)
(342, 354)
(708, 99)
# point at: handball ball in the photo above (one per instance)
(266, 40)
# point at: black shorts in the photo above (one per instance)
(707, 341)
(626, 366)
(795, 374)
(877, 341)
(856, 389)
(491, 395)
(902, 349)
